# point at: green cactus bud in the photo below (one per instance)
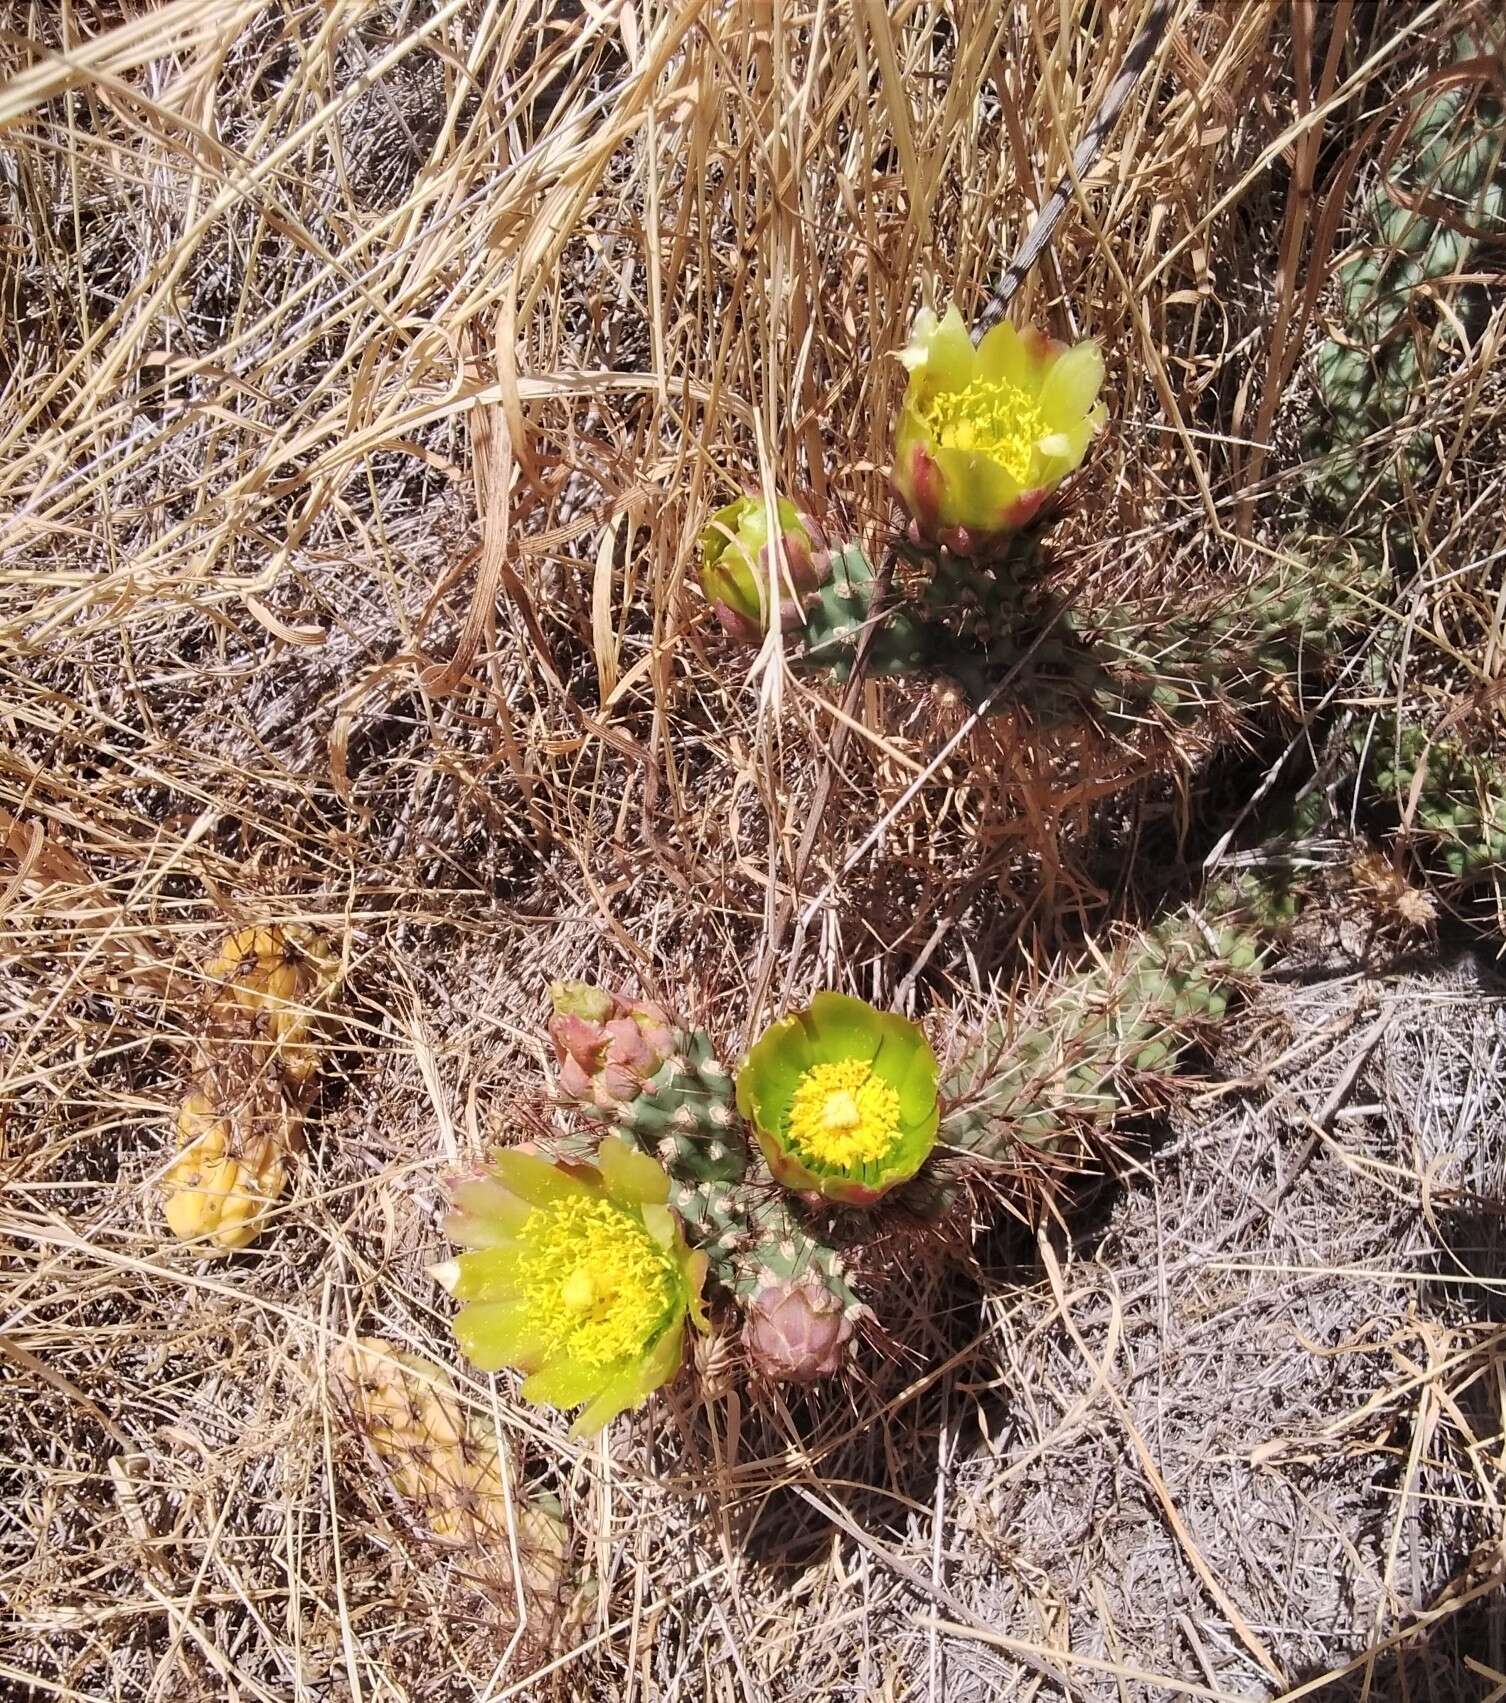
(736, 565)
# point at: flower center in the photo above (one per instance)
(843, 1115)
(993, 418)
(597, 1285)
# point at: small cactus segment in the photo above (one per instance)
(1446, 193)
(577, 1275)
(1046, 1084)
(233, 1167)
(842, 1099)
(258, 1057)
(448, 1468)
(1460, 798)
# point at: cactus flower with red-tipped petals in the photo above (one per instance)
(987, 434)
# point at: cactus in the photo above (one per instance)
(1447, 190)
(1006, 640)
(1460, 797)
(1045, 1087)
(683, 1113)
(258, 1055)
(448, 1470)
(233, 1165)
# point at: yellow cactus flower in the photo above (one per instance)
(986, 434)
(578, 1276)
(842, 1099)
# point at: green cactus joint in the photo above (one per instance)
(1370, 374)
(842, 1099)
(1045, 1087)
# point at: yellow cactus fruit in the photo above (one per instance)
(268, 986)
(449, 1469)
(233, 1167)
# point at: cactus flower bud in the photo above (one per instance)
(796, 1331)
(735, 565)
(985, 435)
(606, 1046)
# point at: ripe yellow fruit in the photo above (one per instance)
(268, 986)
(450, 1469)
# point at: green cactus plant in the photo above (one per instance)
(1049, 1085)
(680, 1109)
(1446, 192)
(1449, 795)
(1007, 640)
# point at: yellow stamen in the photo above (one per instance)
(991, 416)
(843, 1114)
(598, 1287)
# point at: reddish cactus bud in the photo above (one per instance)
(606, 1046)
(796, 1331)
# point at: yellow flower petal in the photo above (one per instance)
(1002, 356)
(975, 490)
(1072, 386)
(940, 354)
(631, 1178)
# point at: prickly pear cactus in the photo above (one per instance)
(1046, 1086)
(257, 1059)
(448, 1470)
(1444, 195)
(1443, 792)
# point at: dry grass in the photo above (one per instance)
(368, 367)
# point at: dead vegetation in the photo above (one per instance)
(368, 369)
